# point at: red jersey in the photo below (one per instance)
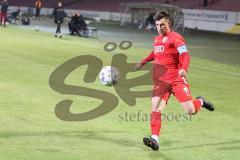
(169, 54)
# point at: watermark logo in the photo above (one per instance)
(94, 65)
(141, 116)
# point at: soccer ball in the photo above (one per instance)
(109, 76)
(36, 28)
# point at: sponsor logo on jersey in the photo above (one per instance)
(158, 49)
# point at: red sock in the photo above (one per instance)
(197, 104)
(156, 123)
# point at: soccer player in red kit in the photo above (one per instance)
(170, 65)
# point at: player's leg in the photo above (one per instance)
(58, 28)
(60, 33)
(5, 19)
(206, 104)
(38, 12)
(161, 94)
(56, 33)
(193, 106)
(182, 92)
(188, 106)
(158, 105)
(1, 18)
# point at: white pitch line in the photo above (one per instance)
(66, 41)
(216, 70)
(204, 47)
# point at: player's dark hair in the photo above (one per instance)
(166, 15)
(161, 15)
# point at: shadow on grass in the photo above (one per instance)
(159, 155)
(104, 135)
(230, 148)
(203, 145)
(100, 135)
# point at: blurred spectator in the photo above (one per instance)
(14, 16)
(38, 6)
(82, 25)
(150, 22)
(25, 20)
(73, 24)
(77, 25)
(205, 3)
(4, 9)
(212, 1)
(59, 15)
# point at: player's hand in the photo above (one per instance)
(182, 73)
(138, 66)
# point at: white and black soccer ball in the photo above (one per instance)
(109, 76)
(36, 28)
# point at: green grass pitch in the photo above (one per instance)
(30, 129)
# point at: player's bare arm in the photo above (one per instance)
(149, 58)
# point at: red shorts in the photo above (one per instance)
(179, 87)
